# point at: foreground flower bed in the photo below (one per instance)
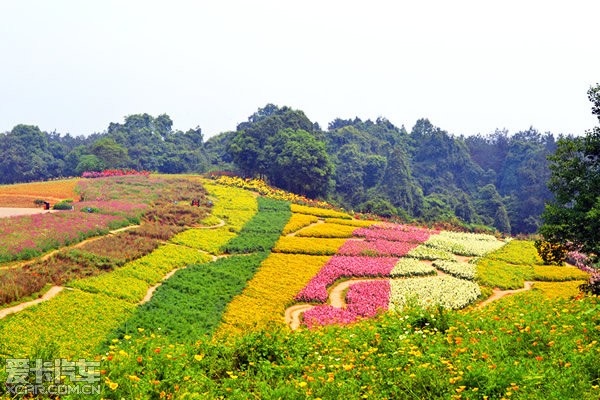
(445, 291)
(344, 267)
(520, 347)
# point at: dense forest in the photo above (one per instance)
(427, 174)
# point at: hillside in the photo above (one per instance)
(257, 292)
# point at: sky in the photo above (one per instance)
(468, 66)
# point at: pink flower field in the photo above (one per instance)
(394, 232)
(344, 267)
(376, 248)
(364, 299)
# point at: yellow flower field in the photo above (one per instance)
(209, 240)
(233, 205)
(557, 273)
(327, 230)
(319, 212)
(304, 245)
(279, 278)
(359, 223)
(559, 290)
(74, 322)
(298, 221)
(23, 194)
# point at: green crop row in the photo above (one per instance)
(190, 304)
(263, 230)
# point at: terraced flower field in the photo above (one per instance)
(383, 310)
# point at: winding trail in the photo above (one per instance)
(320, 221)
(498, 294)
(54, 290)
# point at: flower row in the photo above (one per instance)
(465, 244)
(458, 269)
(319, 212)
(272, 288)
(113, 172)
(376, 248)
(327, 230)
(395, 232)
(299, 221)
(408, 266)
(261, 187)
(445, 291)
(344, 267)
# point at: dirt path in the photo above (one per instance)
(54, 290)
(498, 294)
(6, 212)
(306, 227)
(292, 315)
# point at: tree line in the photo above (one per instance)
(427, 174)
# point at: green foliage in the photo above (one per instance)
(574, 215)
(522, 346)
(263, 230)
(190, 304)
(551, 253)
(63, 205)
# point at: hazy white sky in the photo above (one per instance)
(468, 66)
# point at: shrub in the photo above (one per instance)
(551, 253)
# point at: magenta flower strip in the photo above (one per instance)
(364, 299)
(393, 232)
(376, 248)
(344, 267)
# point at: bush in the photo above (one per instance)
(64, 205)
(551, 253)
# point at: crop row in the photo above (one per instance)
(376, 248)
(131, 282)
(445, 291)
(319, 212)
(263, 230)
(395, 232)
(408, 266)
(299, 221)
(279, 278)
(191, 303)
(457, 269)
(261, 187)
(465, 244)
(327, 230)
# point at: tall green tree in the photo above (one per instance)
(574, 215)
(300, 163)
